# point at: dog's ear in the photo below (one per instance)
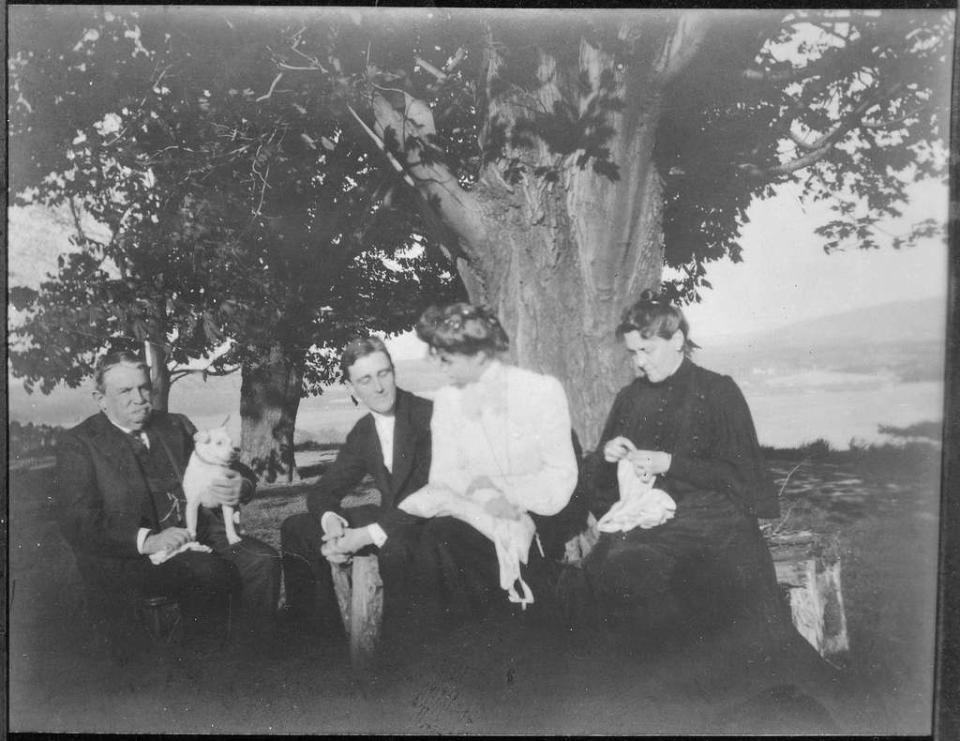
(224, 423)
(201, 436)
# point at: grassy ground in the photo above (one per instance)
(508, 676)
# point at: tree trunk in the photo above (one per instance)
(159, 375)
(560, 260)
(269, 398)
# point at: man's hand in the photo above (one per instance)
(617, 448)
(648, 463)
(333, 554)
(354, 539)
(167, 540)
(340, 548)
(226, 488)
(502, 507)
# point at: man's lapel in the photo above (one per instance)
(163, 434)
(116, 449)
(404, 443)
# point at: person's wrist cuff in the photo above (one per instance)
(142, 535)
(377, 534)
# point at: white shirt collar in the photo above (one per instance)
(384, 425)
(141, 433)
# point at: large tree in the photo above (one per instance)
(567, 157)
(230, 236)
(562, 159)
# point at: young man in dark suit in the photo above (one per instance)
(392, 444)
(122, 510)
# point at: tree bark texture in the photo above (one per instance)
(269, 398)
(156, 358)
(559, 258)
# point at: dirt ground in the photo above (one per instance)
(507, 675)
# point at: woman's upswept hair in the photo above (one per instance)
(655, 316)
(462, 328)
(360, 347)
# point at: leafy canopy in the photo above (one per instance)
(228, 155)
(232, 217)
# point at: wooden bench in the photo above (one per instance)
(807, 566)
(808, 570)
(359, 591)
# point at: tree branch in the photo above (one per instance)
(267, 95)
(394, 162)
(826, 62)
(820, 148)
(440, 75)
(683, 44)
(892, 121)
(457, 209)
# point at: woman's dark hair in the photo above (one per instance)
(462, 328)
(655, 316)
(112, 359)
(360, 348)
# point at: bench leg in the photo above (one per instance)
(359, 591)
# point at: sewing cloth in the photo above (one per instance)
(640, 505)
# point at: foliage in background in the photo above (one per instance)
(558, 161)
(230, 220)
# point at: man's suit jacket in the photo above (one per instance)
(103, 494)
(361, 454)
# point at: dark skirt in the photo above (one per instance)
(707, 567)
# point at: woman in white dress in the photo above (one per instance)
(502, 449)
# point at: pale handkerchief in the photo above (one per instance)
(191, 545)
(511, 538)
(640, 504)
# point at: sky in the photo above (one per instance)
(785, 276)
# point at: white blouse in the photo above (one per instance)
(513, 426)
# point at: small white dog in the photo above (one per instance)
(213, 451)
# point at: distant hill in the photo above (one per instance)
(922, 320)
(903, 341)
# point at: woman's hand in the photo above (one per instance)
(617, 448)
(502, 507)
(649, 463)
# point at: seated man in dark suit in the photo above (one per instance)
(392, 444)
(122, 510)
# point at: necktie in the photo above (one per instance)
(136, 439)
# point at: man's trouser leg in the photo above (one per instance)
(308, 581)
(258, 565)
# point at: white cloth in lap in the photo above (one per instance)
(640, 505)
(191, 545)
(511, 538)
